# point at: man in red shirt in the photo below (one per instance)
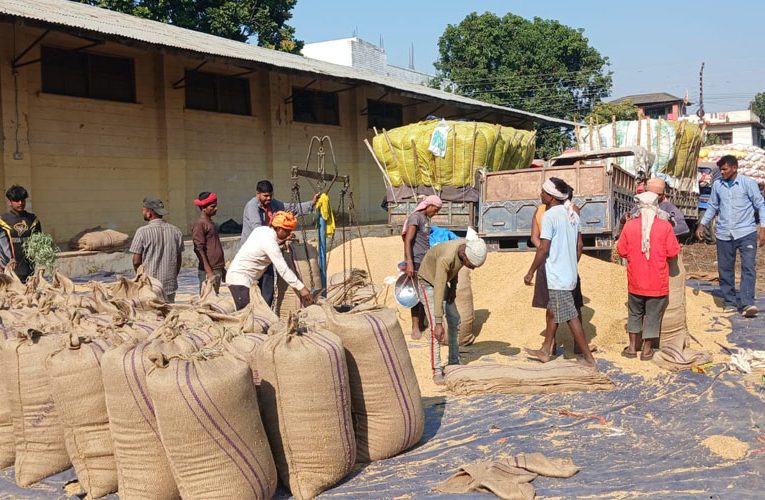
(647, 242)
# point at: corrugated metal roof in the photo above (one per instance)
(94, 19)
(654, 98)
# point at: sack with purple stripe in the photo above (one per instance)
(40, 448)
(207, 412)
(306, 406)
(142, 467)
(78, 392)
(386, 404)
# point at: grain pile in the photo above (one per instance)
(727, 447)
(506, 323)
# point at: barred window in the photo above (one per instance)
(81, 74)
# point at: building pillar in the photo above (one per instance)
(170, 106)
(16, 157)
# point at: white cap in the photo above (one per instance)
(475, 250)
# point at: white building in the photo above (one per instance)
(736, 127)
(358, 53)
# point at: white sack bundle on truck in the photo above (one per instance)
(387, 407)
(306, 405)
(39, 435)
(98, 239)
(208, 418)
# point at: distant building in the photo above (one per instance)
(736, 127)
(658, 105)
(358, 53)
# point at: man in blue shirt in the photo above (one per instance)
(258, 212)
(735, 198)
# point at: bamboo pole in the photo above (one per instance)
(613, 131)
(386, 178)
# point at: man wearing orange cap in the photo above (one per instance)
(262, 249)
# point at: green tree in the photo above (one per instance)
(537, 65)
(758, 105)
(266, 20)
(603, 112)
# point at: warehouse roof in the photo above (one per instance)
(653, 98)
(122, 27)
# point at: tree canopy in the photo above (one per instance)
(537, 65)
(758, 105)
(240, 20)
(603, 112)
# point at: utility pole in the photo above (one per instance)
(700, 112)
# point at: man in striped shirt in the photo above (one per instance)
(158, 246)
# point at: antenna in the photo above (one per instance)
(411, 57)
(355, 32)
(382, 42)
(700, 112)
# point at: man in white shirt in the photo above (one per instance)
(262, 249)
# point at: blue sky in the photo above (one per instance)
(653, 46)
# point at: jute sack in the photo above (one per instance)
(388, 416)
(102, 241)
(464, 303)
(7, 441)
(142, 467)
(306, 407)
(244, 346)
(78, 392)
(39, 436)
(305, 264)
(208, 299)
(207, 412)
(673, 353)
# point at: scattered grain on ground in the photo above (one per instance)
(506, 323)
(727, 447)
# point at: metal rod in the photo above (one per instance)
(25, 51)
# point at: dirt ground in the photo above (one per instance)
(701, 262)
(506, 323)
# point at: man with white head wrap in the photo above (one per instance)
(437, 288)
(648, 243)
(559, 250)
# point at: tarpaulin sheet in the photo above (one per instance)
(642, 439)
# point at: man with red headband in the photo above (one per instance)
(262, 249)
(207, 246)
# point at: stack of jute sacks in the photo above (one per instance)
(164, 401)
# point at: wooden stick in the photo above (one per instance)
(386, 178)
(613, 131)
(578, 136)
(590, 135)
(648, 132)
(639, 130)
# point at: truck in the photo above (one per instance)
(603, 191)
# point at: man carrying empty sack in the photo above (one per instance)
(437, 289)
(262, 249)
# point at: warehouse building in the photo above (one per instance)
(99, 109)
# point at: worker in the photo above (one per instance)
(559, 250)
(258, 212)
(541, 296)
(259, 252)
(158, 247)
(437, 289)
(648, 243)
(735, 198)
(667, 210)
(416, 235)
(17, 226)
(207, 245)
